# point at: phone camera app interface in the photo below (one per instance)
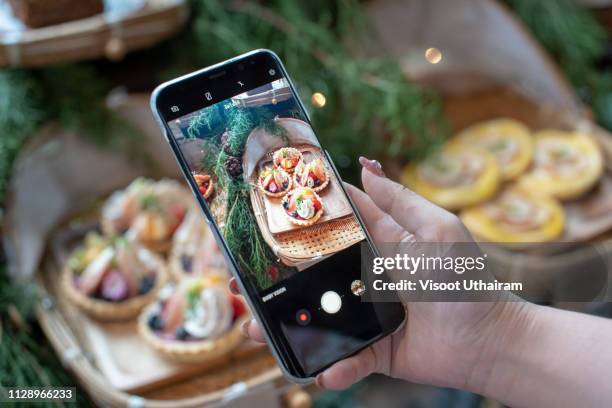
(282, 213)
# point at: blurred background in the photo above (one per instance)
(388, 79)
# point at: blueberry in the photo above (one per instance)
(156, 323)
(294, 214)
(317, 183)
(181, 333)
(146, 284)
(285, 204)
(186, 263)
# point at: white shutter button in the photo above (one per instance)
(331, 302)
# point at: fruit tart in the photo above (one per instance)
(313, 175)
(274, 182)
(516, 216)
(303, 206)
(147, 211)
(194, 250)
(565, 164)
(112, 278)
(507, 139)
(205, 184)
(286, 158)
(195, 320)
(457, 177)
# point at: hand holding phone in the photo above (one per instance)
(278, 208)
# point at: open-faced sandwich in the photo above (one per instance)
(205, 184)
(286, 158)
(507, 139)
(274, 181)
(194, 250)
(194, 321)
(457, 177)
(516, 216)
(303, 206)
(147, 211)
(112, 279)
(565, 164)
(313, 175)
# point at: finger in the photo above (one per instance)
(380, 225)
(407, 208)
(347, 372)
(251, 329)
(233, 286)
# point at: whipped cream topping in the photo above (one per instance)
(212, 314)
(305, 209)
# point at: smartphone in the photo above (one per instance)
(279, 211)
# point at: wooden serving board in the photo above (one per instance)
(334, 202)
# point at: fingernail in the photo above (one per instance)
(373, 166)
(244, 328)
(319, 380)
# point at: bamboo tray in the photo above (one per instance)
(110, 34)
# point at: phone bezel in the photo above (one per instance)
(282, 353)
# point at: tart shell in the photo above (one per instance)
(305, 223)
(191, 351)
(294, 151)
(315, 189)
(280, 193)
(111, 311)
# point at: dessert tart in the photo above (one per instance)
(274, 182)
(112, 279)
(516, 216)
(147, 211)
(313, 175)
(507, 139)
(194, 250)
(194, 321)
(457, 177)
(303, 206)
(205, 184)
(565, 164)
(286, 158)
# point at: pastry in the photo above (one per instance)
(194, 321)
(313, 175)
(286, 158)
(457, 177)
(147, 211)
(194, 250)
(565, 164)
(112, 279)
(303, 206)
(205, 184)
(516, 216)
(274, 182)
(507, 139)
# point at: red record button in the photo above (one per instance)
(302, 317)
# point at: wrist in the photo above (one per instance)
(505, 337)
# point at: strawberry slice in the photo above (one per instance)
(173, 311)
(237, 305)
(90, 279)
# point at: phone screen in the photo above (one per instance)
(250, 152)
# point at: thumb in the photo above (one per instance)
(347, 372)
